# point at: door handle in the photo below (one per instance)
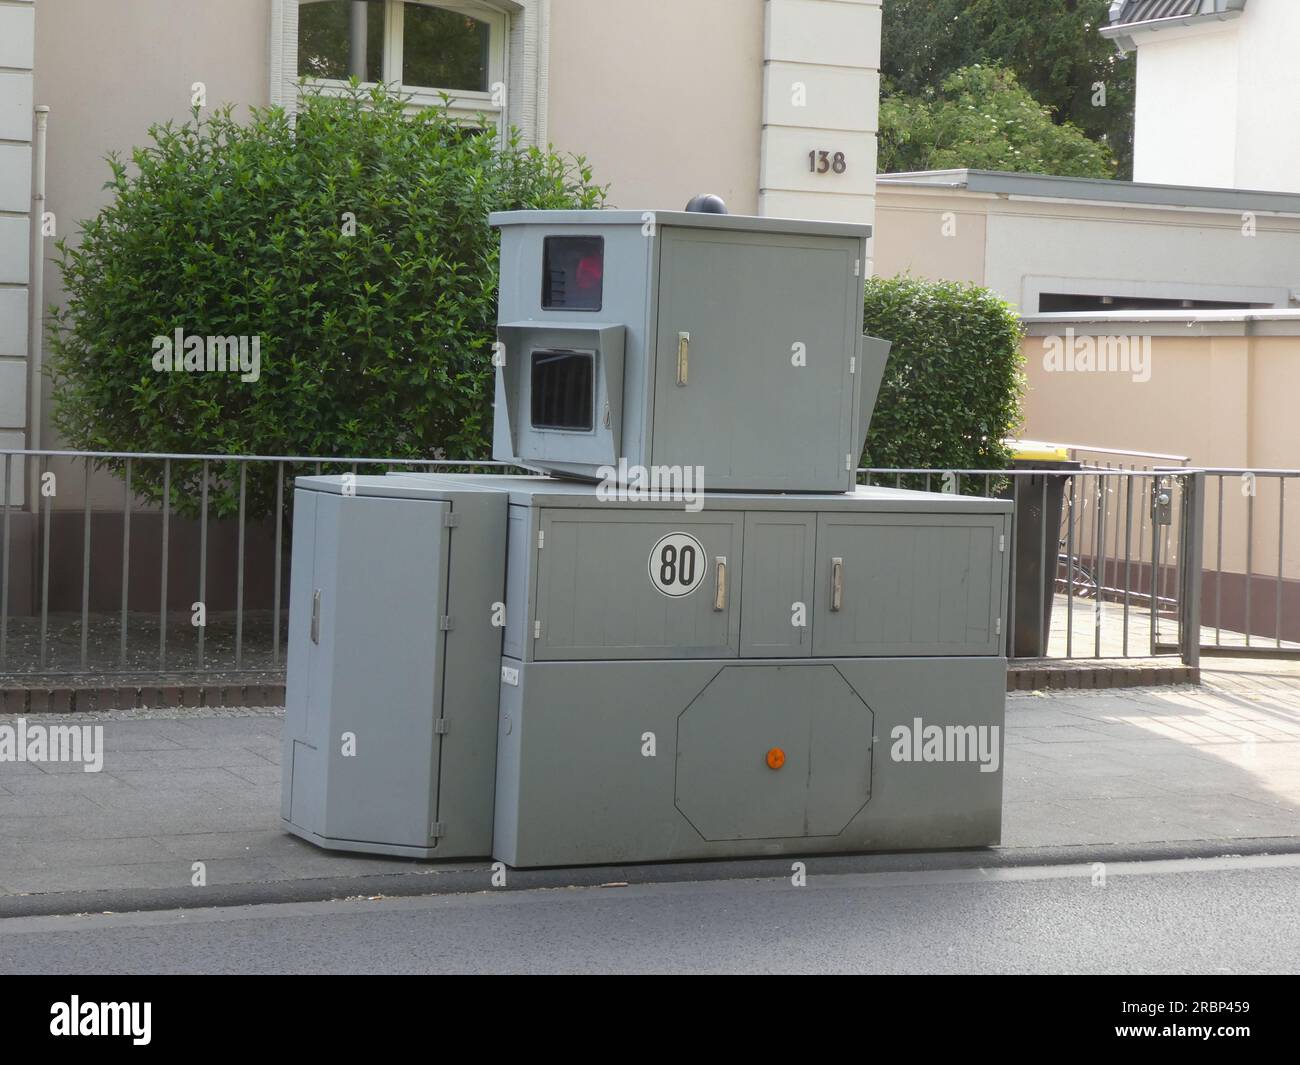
(315, 617)
(720, 583)
(683, 358)
(837, 584)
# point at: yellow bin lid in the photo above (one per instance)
(1037, 451)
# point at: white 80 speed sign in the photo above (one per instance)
(677, 564)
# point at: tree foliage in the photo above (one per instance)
(1053, 47)
(981, 118)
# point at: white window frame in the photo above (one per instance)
(518, 42)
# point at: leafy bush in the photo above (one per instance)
(983, 119)
(354, 243)
(954, 380)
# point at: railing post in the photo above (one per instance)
(1192, 565)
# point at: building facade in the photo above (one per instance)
(1054, 244)
(771, 104)
(1218, 91)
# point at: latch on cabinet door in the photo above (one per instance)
(315, 617)
(683, 358)
(837, 584)
(720, 583)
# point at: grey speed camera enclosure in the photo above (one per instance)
(536, 669)
(654, 338)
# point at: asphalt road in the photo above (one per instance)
(1224, 915)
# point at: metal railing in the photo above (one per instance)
(57, 635)
(1240, 627)
(196, 580)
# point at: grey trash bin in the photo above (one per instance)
(1038, 522)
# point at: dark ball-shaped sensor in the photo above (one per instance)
(707, 204)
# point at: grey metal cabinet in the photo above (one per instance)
(393, 666)
(776, 603)
(597, 596)
(722, 360)
(906, 584)
(684, 339)
(372, 558)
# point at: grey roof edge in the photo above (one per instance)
(737, 222)
(1265, 322)
(1122, 33)
(1103, 190)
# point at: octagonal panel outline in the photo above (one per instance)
(732, 669)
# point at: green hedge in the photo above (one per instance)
(353, 243)
(954, 382)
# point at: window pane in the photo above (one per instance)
(573, 273)
(564, 394)
(326, 39)
(444, 49)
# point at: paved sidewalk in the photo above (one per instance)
(1168, 768)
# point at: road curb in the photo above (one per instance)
(428, 879)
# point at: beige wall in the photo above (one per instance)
(665, 100)
(918, 239)
(107, 71)
(1223, 401)
(680, 97)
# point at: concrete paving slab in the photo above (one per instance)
(148, 779)
(215, 757)
(249, 844)
(140, 850)
(257, 774)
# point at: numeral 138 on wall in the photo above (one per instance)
(824, 162)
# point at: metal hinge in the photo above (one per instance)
(848, 461)
(541, 539)
(440, 727)
(445, 623)
(537, 630)
(438, 828)
(997, 629)
(857, 267)
(450, 520)
(1002, 543)
(853, 364)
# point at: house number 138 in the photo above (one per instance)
(822, 162)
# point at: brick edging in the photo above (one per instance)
(1055, 678)
(63, 700)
